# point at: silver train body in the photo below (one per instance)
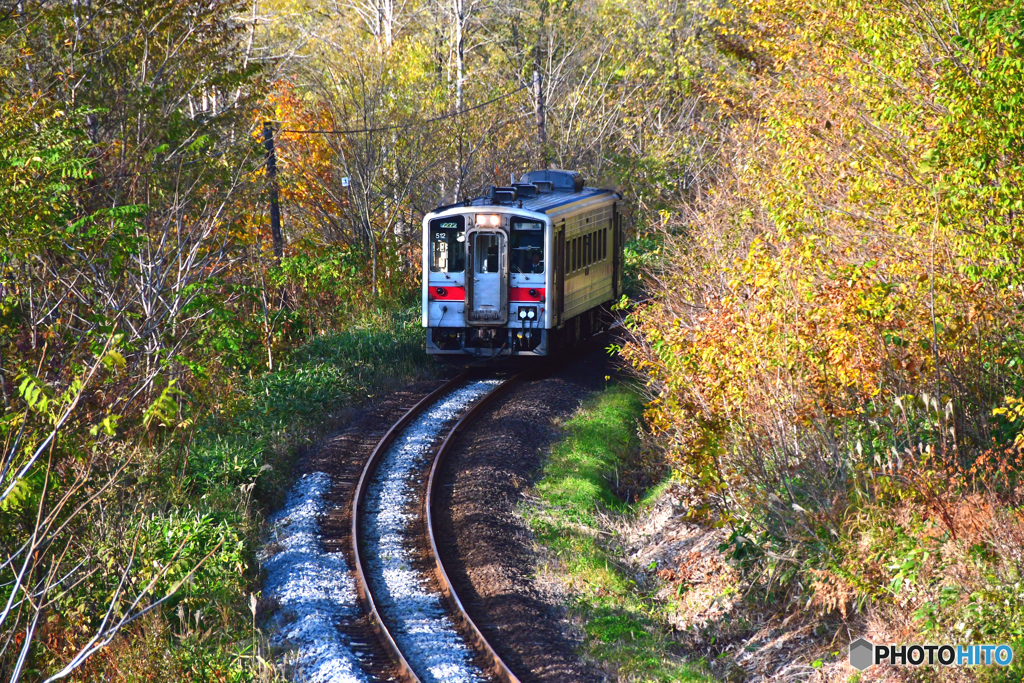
(521, 271)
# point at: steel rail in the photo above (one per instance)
(362, 586)
(470, 629)
(498, 668)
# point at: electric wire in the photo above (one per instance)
(449, 115)
(294, 131)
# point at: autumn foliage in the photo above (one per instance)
(842, 305)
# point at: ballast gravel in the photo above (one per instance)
(415, 614)
(313, 589)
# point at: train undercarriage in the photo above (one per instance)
(468, 345)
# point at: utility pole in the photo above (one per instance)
(538, 112)
(275, 208)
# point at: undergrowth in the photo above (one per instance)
(207, 492)
(254, 438)
(625, 629)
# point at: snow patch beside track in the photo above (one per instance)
(313, 589)
(416, 616)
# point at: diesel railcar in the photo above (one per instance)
(523, 270)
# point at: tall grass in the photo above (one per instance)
(625, 629)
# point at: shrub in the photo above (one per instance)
(840, 313)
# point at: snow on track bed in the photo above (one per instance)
(416, 616)
(313, 589)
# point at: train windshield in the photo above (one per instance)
(527, 253)
(448, 245)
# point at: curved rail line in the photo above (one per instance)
(498, 667)
(462, 619)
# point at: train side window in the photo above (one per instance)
(604, 243)
(448, 245)
(575, 253)
(588, 249)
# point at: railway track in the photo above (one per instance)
(400, 579)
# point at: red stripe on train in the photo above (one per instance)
(446, 293)
(521, 294)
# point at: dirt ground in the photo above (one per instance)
(740, 641)
(342, 456)
(487, 549)
(493, 561)
(494, 564)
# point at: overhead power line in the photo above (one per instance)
(162, 171)
(408, 125)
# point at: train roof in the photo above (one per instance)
(539, 191)
(542, 203)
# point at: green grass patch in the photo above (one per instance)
(254, 438)
(625, 629)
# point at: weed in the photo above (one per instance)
(624, 629)
(201, 497)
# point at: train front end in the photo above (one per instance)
(487, 276)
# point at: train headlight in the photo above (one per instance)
(522, 314)
(488, 219)
(531, 314)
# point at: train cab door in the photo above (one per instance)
(487, 284)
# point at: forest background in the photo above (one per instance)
(826, 279)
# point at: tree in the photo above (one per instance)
(124, 143)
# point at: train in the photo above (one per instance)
(523, 270)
